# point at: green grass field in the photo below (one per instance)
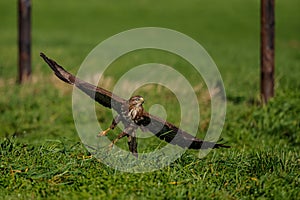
(41, 153)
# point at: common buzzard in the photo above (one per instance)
(132, 114)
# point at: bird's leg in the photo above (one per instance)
(132, 141)
(114, 123)
(121, 135)
(128, 130)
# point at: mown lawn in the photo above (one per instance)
(41, 153)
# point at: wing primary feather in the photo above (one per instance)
(172, 134)
(102, 96)
(59, 71)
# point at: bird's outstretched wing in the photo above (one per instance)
(173, 135)
(99, 94)
(163, 130)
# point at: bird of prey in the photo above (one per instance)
(132, 114)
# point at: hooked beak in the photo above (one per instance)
(142, 100)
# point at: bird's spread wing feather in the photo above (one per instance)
(100, 95)
(163, 130)
(172, 134)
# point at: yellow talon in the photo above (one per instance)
(103, 133)
(111, 146)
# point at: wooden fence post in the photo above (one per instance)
(267, 50)
(24, 25)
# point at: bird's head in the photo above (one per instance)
(136, 101)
